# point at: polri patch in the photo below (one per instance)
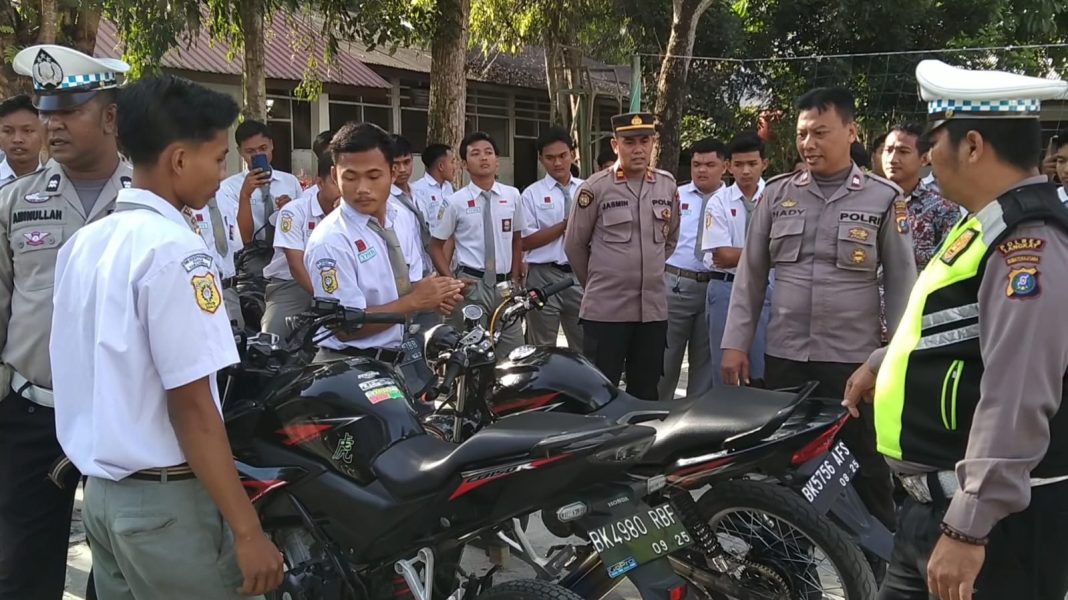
(959, 245)
(901, 216)
(53, 183)
(585, 197)
(1023, 283)
(126, 182)
(1030, 244)
(197, 261)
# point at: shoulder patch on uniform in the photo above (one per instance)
(959, 245)
(53, 183)
(1023, 283)
(286, 223)
(197, 261)
(780, 177)
(901, 216)
(708, 220)
(206, 291)
(667, 174)
(327, 274)
(1031, 244)
(126, 182)
(585, 197)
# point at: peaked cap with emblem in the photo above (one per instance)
(955, 93)
(64, 78)
(634, 124)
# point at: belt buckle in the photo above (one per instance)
(916, 486)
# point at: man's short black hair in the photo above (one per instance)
(923, 143)
(822, 99)
(748, 141)
(157, 111)
(16, 103)
(322, 142)
(606, 156)
(323, 166)
(553, 135)
(249, 128)
(476, 136)
(433, 153)
(401, 146)
(1060, 139)
(860, 155)
(1017, 142)
(879, 142)
(361, 137)
(709, 145)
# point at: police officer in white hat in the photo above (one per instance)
(969, 400)
(75, 96)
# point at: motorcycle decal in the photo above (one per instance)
(375, 383)
(525, 403)
(256, 490)
(473, 480)
(344, 449)
(390, 392)
(298, 433)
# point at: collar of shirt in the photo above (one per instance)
(476, 191)
(572, 185)
(736, 192)
(430, 181)
(316, 208)
(5, 171)
(151, 200)
(362, 219)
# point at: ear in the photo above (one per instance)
(615, 145)
(764, 165)
(973, 147)
(334, 175)
(852, 132)
(109, 119)
(176, 158)
(925, 158)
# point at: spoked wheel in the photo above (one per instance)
(785, 549)
(528, 589)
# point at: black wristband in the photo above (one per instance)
(953, 534)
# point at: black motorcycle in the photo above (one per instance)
(365, 505)
(771, 458)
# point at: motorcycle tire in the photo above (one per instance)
(528, 589)
(853, 569)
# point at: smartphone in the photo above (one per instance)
(259, 161)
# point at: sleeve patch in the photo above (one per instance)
(287, 222)
(207, 293)
(197, 261)
(1023, 283)
(901, 216)
(585, 197)
(1030, 244)
(327, 274)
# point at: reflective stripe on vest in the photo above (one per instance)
(951, 265)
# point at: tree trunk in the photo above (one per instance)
(15, 32)
(671, 84)
(554, 76)
(49, 22)
(81, 34)
(255, 77)
(448, 74)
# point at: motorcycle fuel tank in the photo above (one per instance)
(345, 412)
(538, 378)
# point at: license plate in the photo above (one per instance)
(646, 535)
(830, 478)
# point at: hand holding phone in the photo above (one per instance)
(259, 161)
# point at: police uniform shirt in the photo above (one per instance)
(206, 228)
(690, 222)
(826, 253)
(38, 213)
(282, 184)
(543, 207)
(296, 222)
(160, 302)
(618, 241)
(429, 197)
(725, 222)
(461, 216)
(348, 261)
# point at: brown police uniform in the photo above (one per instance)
(619, 235)
(826, 252)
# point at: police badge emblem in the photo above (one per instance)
(47, 74)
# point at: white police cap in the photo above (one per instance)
(63, 77)
(955, 93)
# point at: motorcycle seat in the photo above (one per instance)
(423, 464)
(702, 422)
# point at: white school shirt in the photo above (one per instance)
(690, 222)
(204, 226)
(725, 222)
(348, 261)
(429, 196)
(1063, 195)
(394, 198)
(294, 226)
(152, 321)
(461, 216)
(543, 207)
(282, 184)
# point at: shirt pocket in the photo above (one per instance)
(856, 247)
(785, 239)
(661, 223)
(618, 225)
(35, 248)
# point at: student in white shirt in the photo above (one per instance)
(726, 221)
(402, 195)
(486, 219)
(367, 254)
(220, 235)
(546, 206)
(431, 190)
(254, 196)
(21, 138)
(289, 288)
(320, 146)
(164, 510)
(687, 276)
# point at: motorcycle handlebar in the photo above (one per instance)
(554, 288)
(456, 365)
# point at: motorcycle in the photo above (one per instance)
(771, 459)
(364, 504)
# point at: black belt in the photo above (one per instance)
(382, 354)
(228, 283)
(481, 274)
(720, 275)
(177, 473)
(699, 276)
(557, 266)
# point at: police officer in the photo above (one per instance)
(623, 226)
(546, 205)
(76, 99)
(826, 231)
(970, 392)
(688, 275)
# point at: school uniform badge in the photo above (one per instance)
(327, 274)
(708, 220)
(207, 293)
(506, 225)
(585, 197)
(1023, 283)
(287, 222)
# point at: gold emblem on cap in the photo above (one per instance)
(949, 113)
(637, 120)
